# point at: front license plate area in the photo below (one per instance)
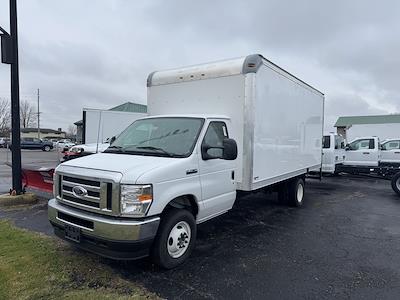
(73, 233)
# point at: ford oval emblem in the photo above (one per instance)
(79, 191)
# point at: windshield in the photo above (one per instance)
(170, 136)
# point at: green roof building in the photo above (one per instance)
(383, 126)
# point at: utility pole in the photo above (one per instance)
(38, 114)
(9, 55)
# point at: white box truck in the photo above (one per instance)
(240, 124)
(100, 125)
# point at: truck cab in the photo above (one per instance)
(333, 152)
(106, 201)
(363, 151)
(390, 152)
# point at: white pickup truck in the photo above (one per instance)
(390, 152)
(240, 124)
(333, 152)
(363, 152)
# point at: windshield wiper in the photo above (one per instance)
(156, 149)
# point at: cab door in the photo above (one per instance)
(363, 152)
(217, 175)
(391, 151)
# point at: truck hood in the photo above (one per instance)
(130, 166)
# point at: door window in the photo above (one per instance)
(326, 142)
(391, 145)
(362, 144)
(339, 143)
(215, 135)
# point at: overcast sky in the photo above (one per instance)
(97, 54)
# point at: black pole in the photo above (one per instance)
(15, 118)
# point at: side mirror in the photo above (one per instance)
(347, 148)
(112, 140)
(229, 149)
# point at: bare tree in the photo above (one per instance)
(71, 130)
(27, 114)
(5, 117)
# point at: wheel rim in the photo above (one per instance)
(300, 193)
(179, 239)
(47, 148)
(398, 184)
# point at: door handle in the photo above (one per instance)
(365, 152)
(191, 171)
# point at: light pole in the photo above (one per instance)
(9, 55)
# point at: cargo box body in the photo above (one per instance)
(277, 119)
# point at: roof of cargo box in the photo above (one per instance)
(228, 67)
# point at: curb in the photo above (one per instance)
(8, 200)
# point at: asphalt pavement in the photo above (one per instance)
(344, 243)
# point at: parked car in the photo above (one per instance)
(85, 149)
(4, 142)
(64, 144)
(35, 143)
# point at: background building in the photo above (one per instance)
(382, 126)
(45, 133)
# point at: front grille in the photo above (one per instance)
(75, 220)
(98, 195)
(82, 181)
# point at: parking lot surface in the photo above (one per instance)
(343, 243)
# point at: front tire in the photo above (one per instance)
(396, 183)
(175, 238)
(46, 148)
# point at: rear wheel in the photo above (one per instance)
(291, 192)
(46, 148)
(396, 183)
(296, 192)
(175, 238)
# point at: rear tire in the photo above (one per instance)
(396, 183)
(296, 192)
(175, 238)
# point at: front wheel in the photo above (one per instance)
(175, 238)
(46, 148)
(396, 183)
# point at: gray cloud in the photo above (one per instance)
(98, 54)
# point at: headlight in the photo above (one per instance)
(136, 199)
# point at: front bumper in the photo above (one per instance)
(112, 237)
